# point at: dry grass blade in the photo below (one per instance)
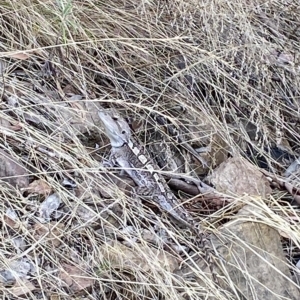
(225, 72)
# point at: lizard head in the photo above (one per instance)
(116, 128)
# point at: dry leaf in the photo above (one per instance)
(21, 287)
(52, 230)
(293, 168)
(4, 123)
(21, 267)
(12, 171)
(16, 127)
(6, 127)
(19, 244)
(3, 66)
(39, 187)
(280, 57)
(49, 206)
(75, 278)
(17, 269)
(11, 218)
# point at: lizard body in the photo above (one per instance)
(137, 163)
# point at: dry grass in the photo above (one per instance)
(232, 60)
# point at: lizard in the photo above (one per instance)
(137, 163)
(127, 152)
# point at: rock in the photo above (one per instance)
(254, 261)
(237, 176)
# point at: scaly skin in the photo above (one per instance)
(137, 163)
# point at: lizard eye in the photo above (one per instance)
(123, 132)
(115, 118)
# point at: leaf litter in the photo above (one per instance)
(227, 79)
